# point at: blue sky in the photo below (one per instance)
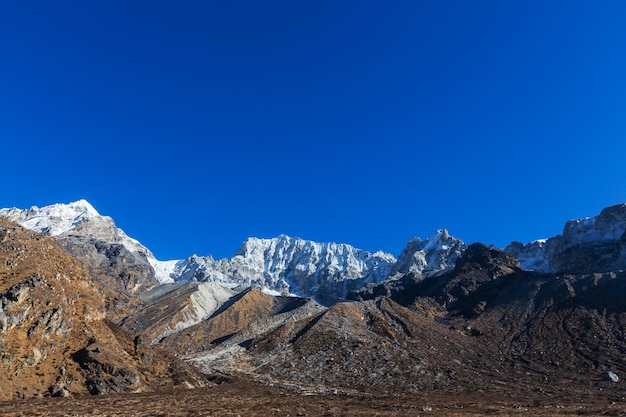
(197, 124)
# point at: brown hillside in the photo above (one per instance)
(236, 315)
(54, 338)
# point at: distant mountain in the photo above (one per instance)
(282, 266)
(435, 254)
(285, 265)
(595, 244)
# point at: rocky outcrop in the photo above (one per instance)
(477, 277)
(596, 244)
(121, 272)
(102, 376)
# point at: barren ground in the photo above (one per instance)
(242, 398)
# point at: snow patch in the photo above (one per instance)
(164, 271)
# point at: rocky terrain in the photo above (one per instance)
(55, 338)
(537, 328)
(237, 397)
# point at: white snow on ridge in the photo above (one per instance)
(273, 293)
(63, 219)
(53, 220)
(164, 271)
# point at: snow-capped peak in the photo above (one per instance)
(62, 219)
(285, 265)
(289, 265)
(439, 252)
(55, 219)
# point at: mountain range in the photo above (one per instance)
(283, 265)
(87, 309)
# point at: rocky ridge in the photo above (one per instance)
(286, 266)
(595, 244)
(171, 308)
(435, 254)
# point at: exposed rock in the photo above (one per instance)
(596, 244)
(102, 375)
(248, 314)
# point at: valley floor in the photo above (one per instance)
(243, 398)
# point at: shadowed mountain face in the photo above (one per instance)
(553, 327)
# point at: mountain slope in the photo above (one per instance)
(54, 336)
(486, 324)
(540, 328)
(171, 308)
(119, 263)
(476, 320)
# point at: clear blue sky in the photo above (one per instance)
(196, 124)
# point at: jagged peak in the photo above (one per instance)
(580, 246)
(253, 244)
(440, 236)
